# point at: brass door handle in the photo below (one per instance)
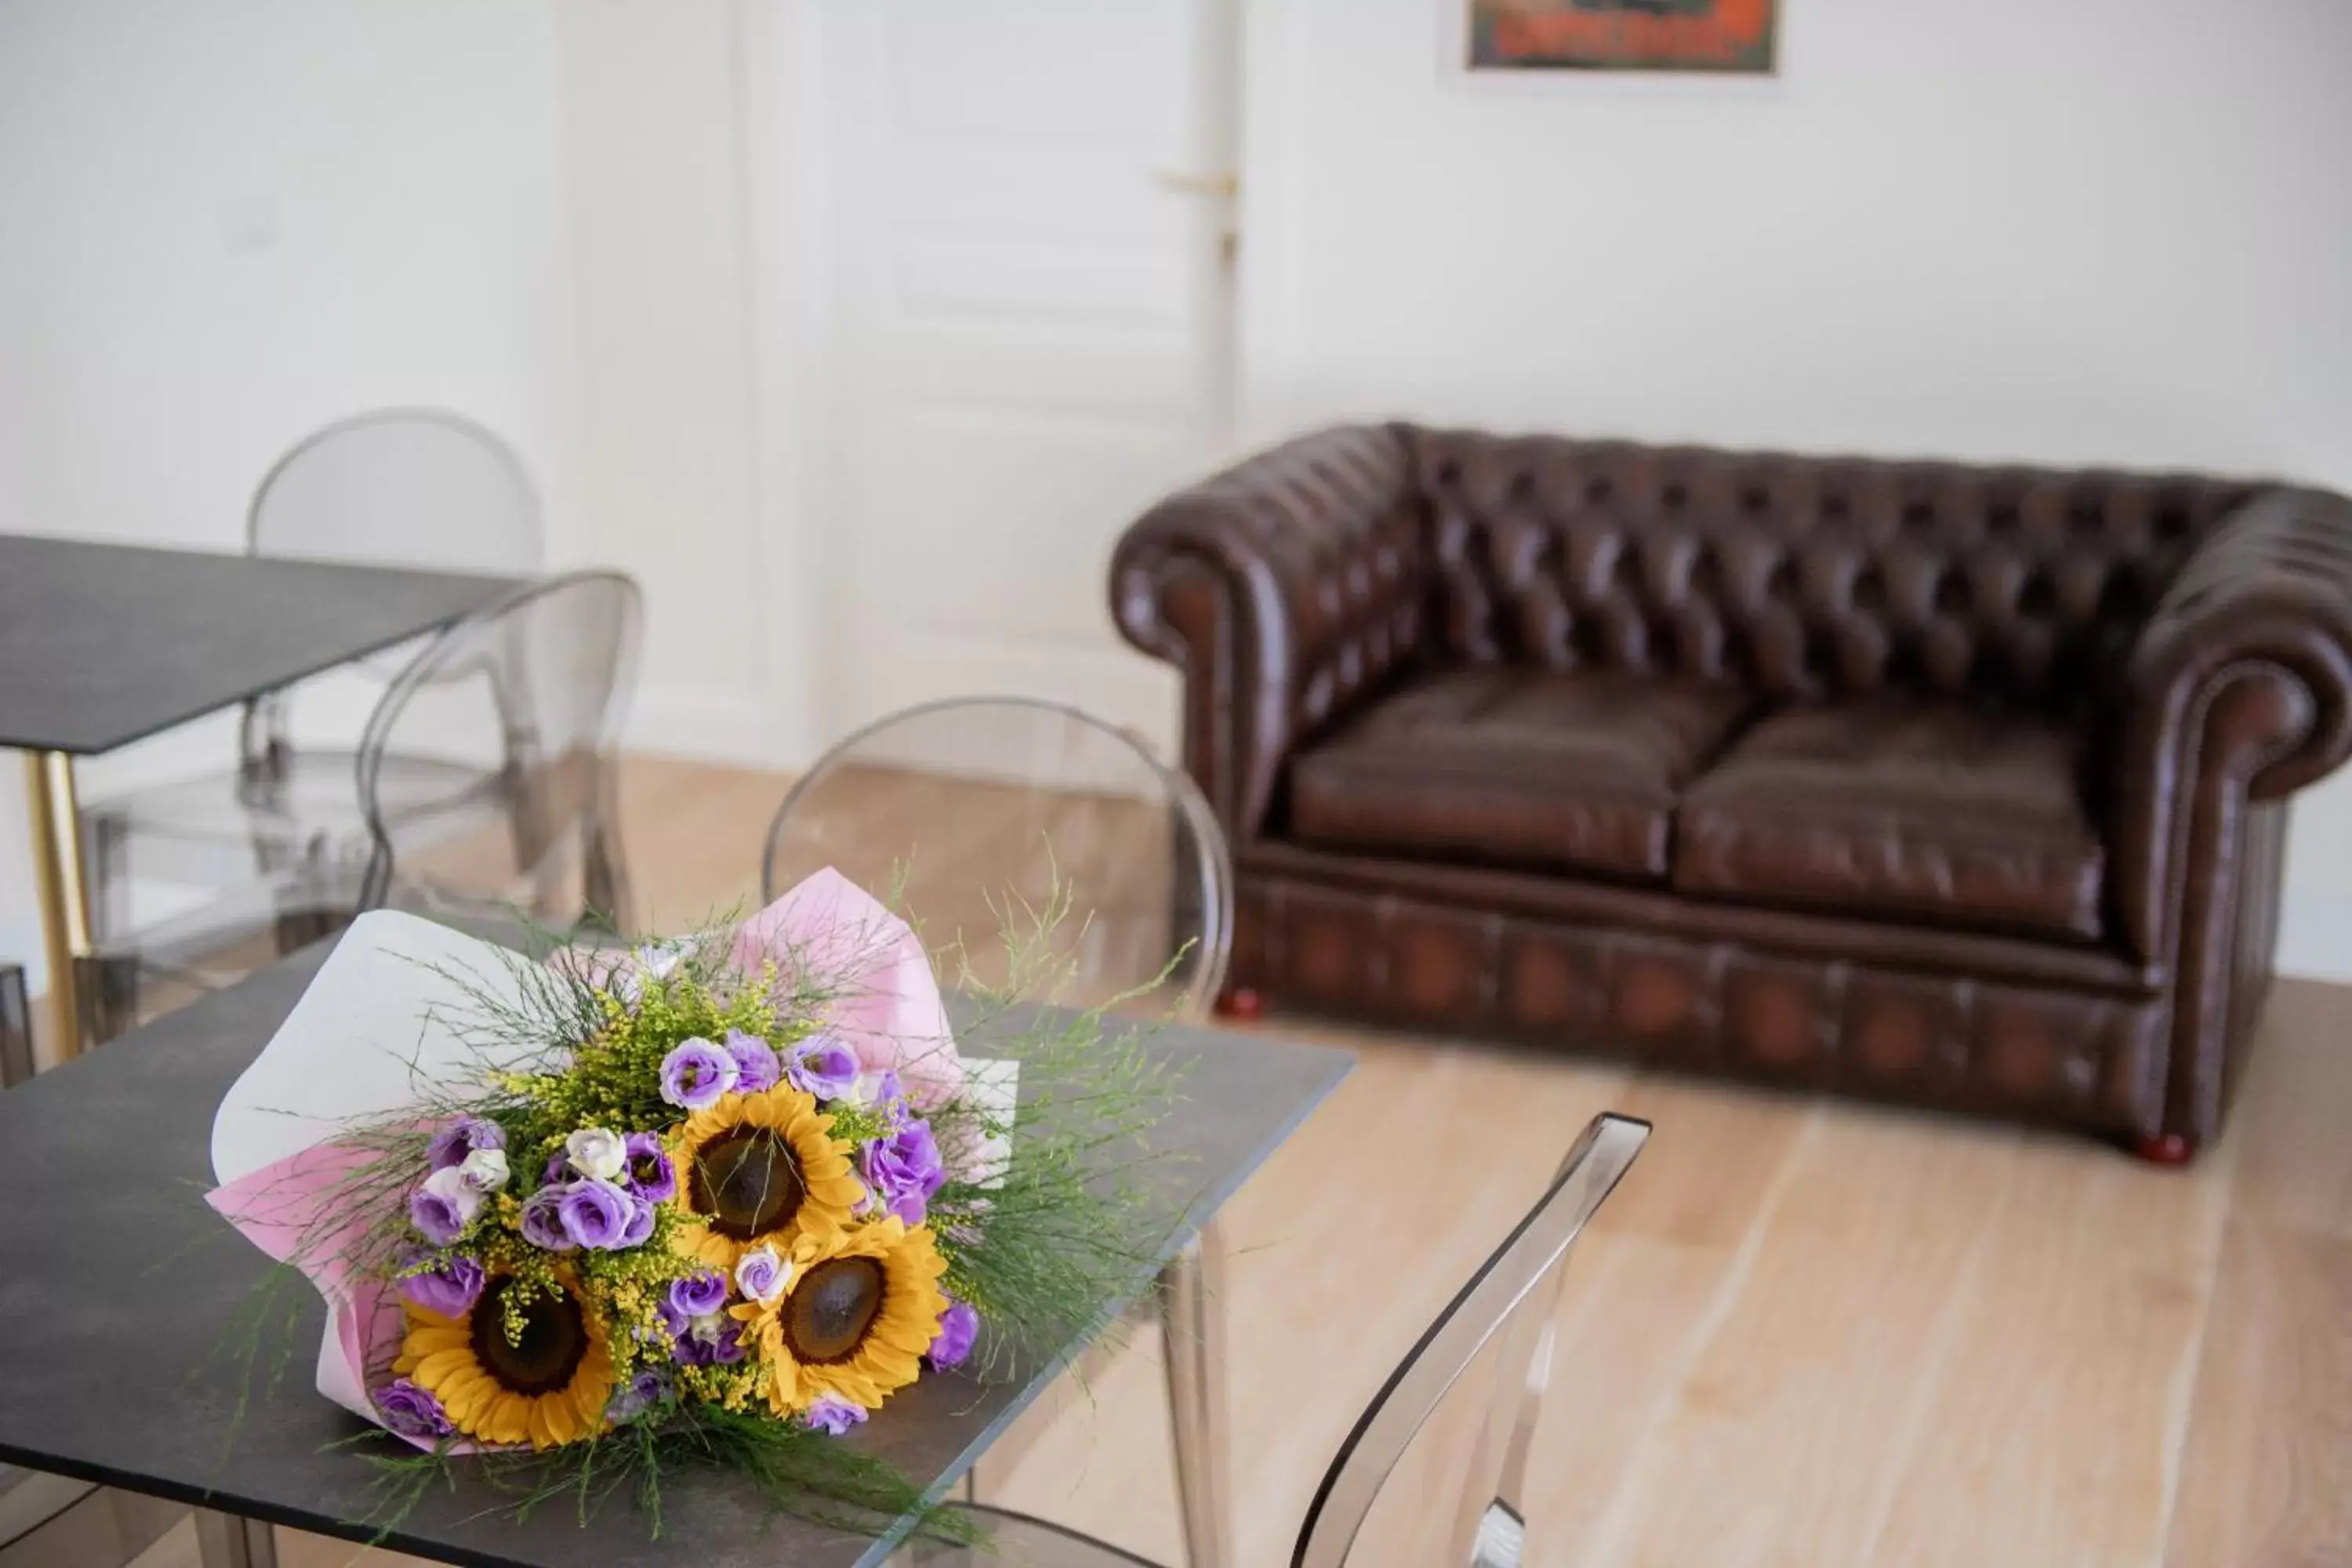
(1221, 183)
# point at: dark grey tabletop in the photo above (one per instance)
(101, 645)
(116, 1283)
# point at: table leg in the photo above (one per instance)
(1192, 1312)
(61, 889)
(230, 1541)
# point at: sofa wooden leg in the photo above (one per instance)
(2167, 1149)
(1242, 1003)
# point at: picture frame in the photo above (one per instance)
(1716, 36)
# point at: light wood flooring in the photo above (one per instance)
(1803, 1334)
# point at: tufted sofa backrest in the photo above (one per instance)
(1805, 578)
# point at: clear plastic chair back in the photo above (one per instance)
(1033, 847)
(549, 670)
(402, 486)
(1435, 1471)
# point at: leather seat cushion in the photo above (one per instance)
(1919, 812)
(1577, 769)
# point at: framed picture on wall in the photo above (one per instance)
(1735, 35)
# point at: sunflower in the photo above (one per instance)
(854, 1318)
(758, 1168)
(543, 1379)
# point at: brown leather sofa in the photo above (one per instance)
(1962, 787)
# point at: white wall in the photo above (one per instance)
(2114, 230)
(222, 224)
(674, 177)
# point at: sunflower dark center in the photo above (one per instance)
(831, 1308)
(747, 1182)
(542, 1358)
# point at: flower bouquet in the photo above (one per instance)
(712, 1200)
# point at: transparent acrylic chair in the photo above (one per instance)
(545, 672)
(975, 814)
(422, 487)
(16, 1027)
(557, 661)
(402, 486)
(1501, 1322)
(965, 814)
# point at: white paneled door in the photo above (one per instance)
(1026, 225)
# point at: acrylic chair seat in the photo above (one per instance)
(1501, 1318)
(1024, 1540)
(193, 830)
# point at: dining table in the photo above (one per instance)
(103, 644)
(120, 1285)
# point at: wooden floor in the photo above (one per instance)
(1803, 1334)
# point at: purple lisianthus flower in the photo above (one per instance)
(595, 1214)
(460, 1137)
(639, 1394)
(443, 1207)
(558, 1171)
(959, 1328)
(702, 1339)
(756, 1067)
(902, 1170)
(704, 1290)
(649, 1173)
(696, 1073)
(834, 1416)
(448, 1283)
(542, 1219)
(640, 1228)
(824, 1066)
(412, 1412)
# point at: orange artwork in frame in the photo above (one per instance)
(1623, 34)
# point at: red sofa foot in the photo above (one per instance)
(1242, 1003)
(2167, 1149)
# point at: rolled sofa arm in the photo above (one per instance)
(2239, 689)
(1287, 589)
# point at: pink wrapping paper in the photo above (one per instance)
(285, 1209)
(888, 1006)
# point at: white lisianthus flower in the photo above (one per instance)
(706, 1329)
(484, 1171)
(450, 1186)
(597, 1154)
(653, 962)
(761, 1274)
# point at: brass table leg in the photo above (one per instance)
(63, 891)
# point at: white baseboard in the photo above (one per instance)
(2316, 935)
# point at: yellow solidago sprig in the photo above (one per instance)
(614, 1077)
